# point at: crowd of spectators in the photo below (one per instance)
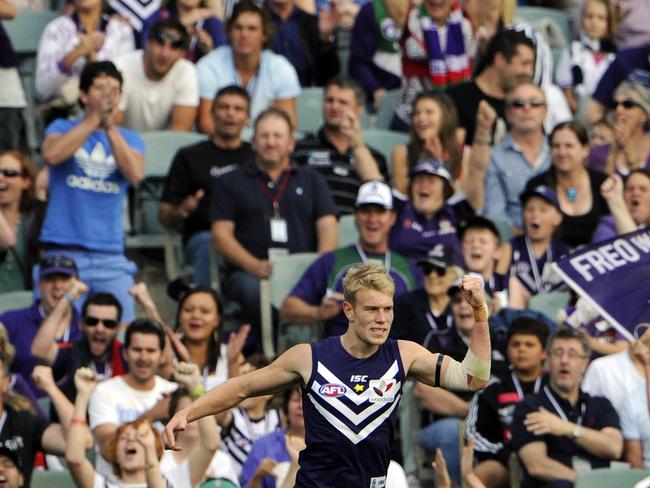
(516, 156)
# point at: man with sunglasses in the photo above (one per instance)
(98, 349)
(524, 153)
(562, 431)
(160, 86)
(318, 295)
(49, 328)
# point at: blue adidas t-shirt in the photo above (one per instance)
(87, 193)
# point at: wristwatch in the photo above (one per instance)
(577, 431)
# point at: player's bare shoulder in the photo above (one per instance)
(297, 359)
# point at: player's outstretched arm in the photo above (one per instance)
(294, 366)
(473, 372)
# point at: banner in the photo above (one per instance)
(614, 276)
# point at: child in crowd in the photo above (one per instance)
(480, 243)
(529, 256)
(601, 133)
(526, 354)
(249, 421)
(582, 63)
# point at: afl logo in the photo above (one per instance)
(332, 390)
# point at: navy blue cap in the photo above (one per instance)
(542, 191)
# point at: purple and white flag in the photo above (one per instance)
(614, 277)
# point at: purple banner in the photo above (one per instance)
(614, 276)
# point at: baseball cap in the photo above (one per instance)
(375, 193)
(432, 166)
(13, 455)
(542, 191)
(439, 257)
(57, 264)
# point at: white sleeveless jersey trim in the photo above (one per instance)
(355, 438)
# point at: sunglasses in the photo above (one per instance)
(627, 104)
(428, 268)
(175, 42)
(91, 321)
(10, 173)
(522, 102)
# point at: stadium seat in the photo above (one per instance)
(25, 31)
(549, 303)
(287, 270)
(310, 109)
(160, 148)
(387, 109)
(383, 141)
(504, 228)
(609, 477)
(348, 233)
(12, 300)
(52, 479)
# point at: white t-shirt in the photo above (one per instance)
(220, 374)
(115, 402)
(179, 476)
(276, 78)
(635, 422)
(613, 377)
(101, 482)
(148, 104)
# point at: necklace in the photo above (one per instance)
(571, 194)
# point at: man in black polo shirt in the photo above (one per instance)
(508, 59)
(561, 431)
(268, 207)
(337, 151)
(185, 201)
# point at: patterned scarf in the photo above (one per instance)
(423, 55)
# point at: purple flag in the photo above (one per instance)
(614, 276)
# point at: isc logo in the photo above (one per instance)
(332, 390)
(358, 378)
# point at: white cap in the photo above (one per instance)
(375, 193)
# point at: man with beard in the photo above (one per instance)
(98, 348)
(140, 393)
(338, 151)
(160, 87)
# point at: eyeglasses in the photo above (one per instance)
(627, 104)
(571, 353)
(522, 102)
(91, 321)
(10, 173)
(175, 42)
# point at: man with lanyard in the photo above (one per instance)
(526, 354)
(561, 431)
(352, 384)
(266, 208)
(318, 294)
